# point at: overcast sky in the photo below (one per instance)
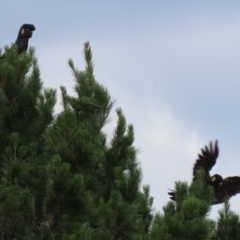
(172, 66)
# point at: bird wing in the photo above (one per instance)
(230, 187)
(206, 159)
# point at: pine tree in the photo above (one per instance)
(227, 226)
(62, 178)
(26, 111)
(187, 217)
(94, 186)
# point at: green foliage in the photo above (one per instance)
(186, 218)
(228, 224)
(26, 111)
(16, 209)
(61, 178)
(25, 107)
(199, 189)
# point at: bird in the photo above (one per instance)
(25, 32)
(223, 188)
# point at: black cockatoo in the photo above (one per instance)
(226, 187)
(25, 32)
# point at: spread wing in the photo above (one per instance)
(206, 159)
(230, 187)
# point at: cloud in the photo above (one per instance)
(168, 149)
(177, 83)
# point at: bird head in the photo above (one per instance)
(217, 180)
(26, 31)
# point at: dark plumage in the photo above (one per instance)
(25, 32)
(227, 187)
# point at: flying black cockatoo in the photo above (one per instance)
(223, 188)
(25, 32)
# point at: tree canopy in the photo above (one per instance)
(62, 178)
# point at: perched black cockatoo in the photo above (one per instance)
(226, 187)
(25, 32)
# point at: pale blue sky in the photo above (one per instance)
(173, 67)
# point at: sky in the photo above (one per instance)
(172, 66)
